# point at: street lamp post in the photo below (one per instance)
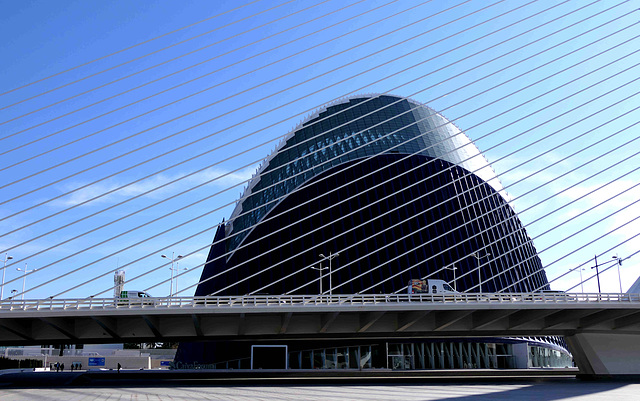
(615, 259)
(579, 269)
(597, 272)
(581, 281)
(319, 269)
(454, 268)
(619, 262)
(24, 279)
(4, 269)
(172, 259)
(478, 257)
(330, 257)
(177, 274)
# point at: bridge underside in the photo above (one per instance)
(196, 326)
(603, 341)
(603, 337)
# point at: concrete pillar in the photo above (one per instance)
(610, 354)
(413, 356)
(452, 364)
(432, 359)
(486, 356)
(521, 354)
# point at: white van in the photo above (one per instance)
(134, 294)
(430, 286)
(135, 297)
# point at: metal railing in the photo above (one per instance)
(8, 305)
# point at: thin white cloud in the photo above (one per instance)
(212, 176)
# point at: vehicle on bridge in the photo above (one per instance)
(417, 286)
(139, 297)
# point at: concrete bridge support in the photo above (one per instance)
(606, 354)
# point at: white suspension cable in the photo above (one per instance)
(143, 177)
(574, 185)
(589, 226)
(197, 78)
(470, 98)
(136, 59)
(515, 183)
(173, 181)
(528, 85)
(609, 250)
(258, 290)
(128, 48)
(445, 217)
(543, 201)
(249, 104)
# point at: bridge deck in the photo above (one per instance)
(313, 316)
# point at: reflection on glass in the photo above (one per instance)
(365, 357)
(343, 358)
(330, 358)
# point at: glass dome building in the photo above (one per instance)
(393, 187)
(400, 193)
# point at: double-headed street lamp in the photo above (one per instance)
(172, 259)
(478, 257)
(615, 259)
(177, 274)
(319, 269)
(4, 268)
(454, 268)
(24, 280)
(580, 269)
(330, 258)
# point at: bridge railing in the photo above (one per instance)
(311, 300)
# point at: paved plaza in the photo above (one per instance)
(530, 389)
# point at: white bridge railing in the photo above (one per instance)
(8, 305)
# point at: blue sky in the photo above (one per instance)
(503, 95)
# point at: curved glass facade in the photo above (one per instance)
(400, 193)
(389, 184)
(355, 129)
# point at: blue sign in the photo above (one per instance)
(96, 361)
(165, 363)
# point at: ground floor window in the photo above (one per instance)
(354, 357)
(542, 357)
(426, 355)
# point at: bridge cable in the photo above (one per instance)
(183, 83)
(128, 48)
(85, 186)
(232, 111)
(141, 57)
